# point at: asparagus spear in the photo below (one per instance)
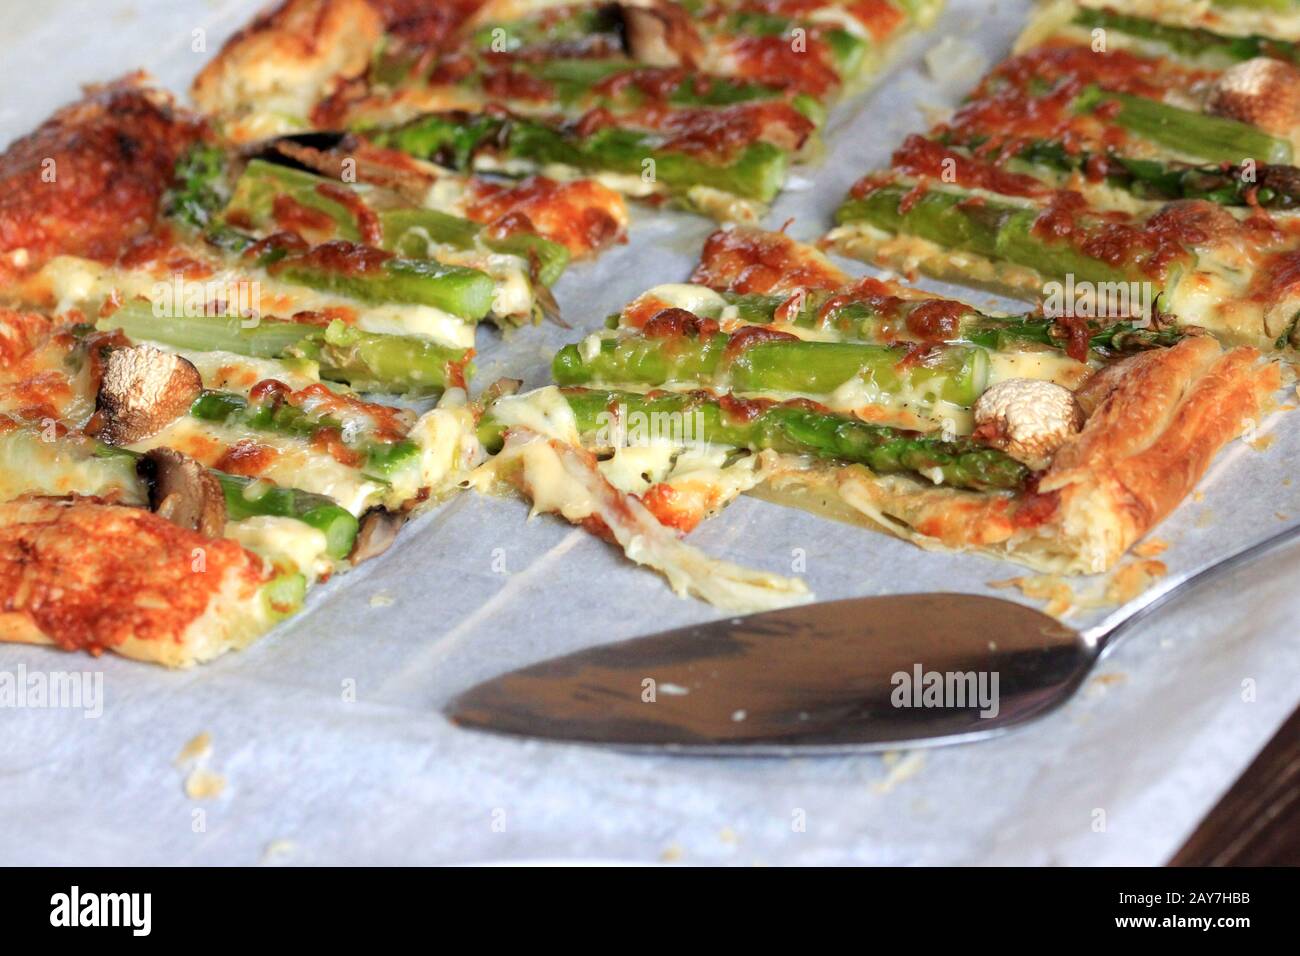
(262, 182)
(342, 267)
(364, 360)
(754, 172)
(1189, 41)
(248, 497)
(1214, 138)
(987, 227)
(571, 83)
(795, 428)
(382, 459)
(346, 269)
(868, 319)
(1228, 184)
(956, 374)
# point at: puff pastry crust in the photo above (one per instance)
(1158, 419)
(146, 589)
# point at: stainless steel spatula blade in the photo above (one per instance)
(843, 675)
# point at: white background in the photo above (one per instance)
(386, 780)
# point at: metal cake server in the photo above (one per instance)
(839, 677)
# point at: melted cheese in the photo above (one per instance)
(544, 411)
(560, 480)
(231, 372)
(284, 541)
(449, 447)
(699, 299)
(30, 464)
(1045, 364)
(295, 464)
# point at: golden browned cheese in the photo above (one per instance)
(91, 178)
(755, 261)
(20, 333)
(37, 382)
(91, 576)
(583, 215)
(422, 22)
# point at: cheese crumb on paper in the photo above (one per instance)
(1052, 588)
(200, 783)
(197, 748)
(203, 784)
(902, 767)
(1150, 548)
(1132, 579)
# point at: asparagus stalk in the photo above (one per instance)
(795, 428)
(463, 292)
(248, 498)
(370, 275)
(382, 459)
(453, 139)
(364, 360)
(1228, 184)
(406, 230)
(343, 269)
(987, 227)
(1213, 138)
(870, 320)
(571, 83)
(1189, 41)
(956, 374)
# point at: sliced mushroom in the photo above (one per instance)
(1027, 418)
(376, 535)
(184, 492)
(1263, 92)
(141, 392)
(659, 34)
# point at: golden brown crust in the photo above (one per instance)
(90, 179)
(84, 575)
(1159, 419)
(267, 78)
(1152, 438)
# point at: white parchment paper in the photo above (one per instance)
(328, 732)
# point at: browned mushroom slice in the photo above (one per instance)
(376, 535)
(142, 391)
(184, 492)
(660, 34)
